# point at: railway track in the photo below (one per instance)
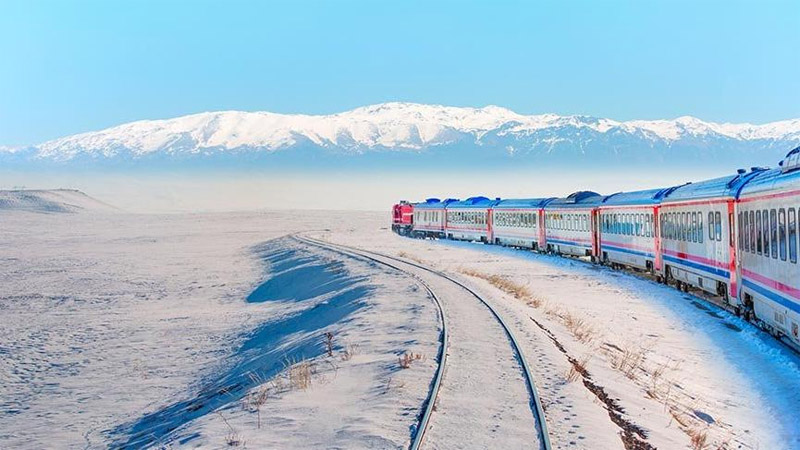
(427, 277)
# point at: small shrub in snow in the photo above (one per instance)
(300, 375)
(407, 358)
(577, 368)
(579, 328)
(349, 351)
(233, 438)
(698, 439)
(630, 361)
(329, 343)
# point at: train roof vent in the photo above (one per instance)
(474, 200)
(581, 195)
(791, 161)
(432, 200)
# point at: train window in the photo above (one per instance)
(640, 225)
(773, 227)
(699, 227)
(760, 239)
(782, 233)
(669, 226)
(694, 227)
(652, 225)
(700, 230)
(710, 226)
(718, 226)
(676, 226)
(792, 235)
(765, 230)
(673, 230)
(752, 215)
(744, 223)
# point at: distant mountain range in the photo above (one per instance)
(418, 132)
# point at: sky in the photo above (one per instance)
(74, 66)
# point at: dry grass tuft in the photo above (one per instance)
(578, 368)
(349, 351)
(698, 439)
(300, 374)
(630, 361)
(517, 291)
(407, 358)
(257, 398)
(579, 328)
(233, 438)
(411, 257)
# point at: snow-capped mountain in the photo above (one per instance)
(420, 129)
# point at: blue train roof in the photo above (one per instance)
(771, 179)
(474, 202)
(580, 199)
(788, 173)
(728, 186)
(434, 203)
(645, 197)
(513, 203)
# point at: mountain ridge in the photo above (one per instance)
(412, 128)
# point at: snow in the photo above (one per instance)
(394, 126)
(713, 364)
(114, 324)
(50, 201)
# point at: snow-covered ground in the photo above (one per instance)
(208, 330)
(676, 367)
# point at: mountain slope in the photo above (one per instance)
(416, 128)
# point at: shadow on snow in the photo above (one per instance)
(264, 353)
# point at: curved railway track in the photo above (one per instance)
(424, 421)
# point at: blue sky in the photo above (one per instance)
(68, 67)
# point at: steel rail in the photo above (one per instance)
(528, 374)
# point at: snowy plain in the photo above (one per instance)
(164, 330)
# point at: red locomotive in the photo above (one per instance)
(403, 218)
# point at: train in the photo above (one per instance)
(733, 237)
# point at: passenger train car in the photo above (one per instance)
(470, 219)
(429, 218)
(518, 223)
(568, 224)
(766, 218)
(735, 236)
(628, 229)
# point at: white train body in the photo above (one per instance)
(737, 237)
(768, 250)
(518, 223)
(569, 224)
